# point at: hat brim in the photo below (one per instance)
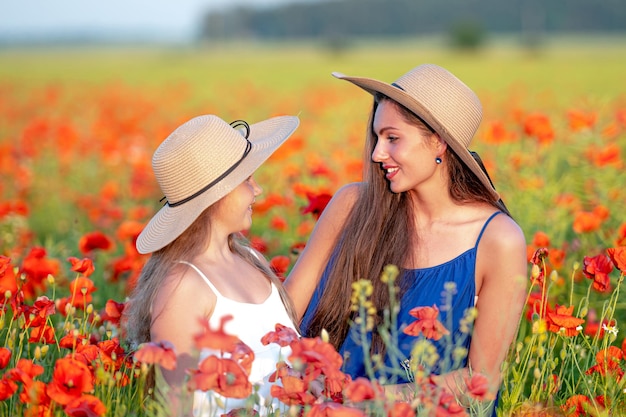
(373, 86)
(170, 222)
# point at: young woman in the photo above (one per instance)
(427, 206)
(201, 267)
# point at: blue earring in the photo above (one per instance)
(438, 160)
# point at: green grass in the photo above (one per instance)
(570, 66)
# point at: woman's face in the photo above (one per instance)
(405, 151)
(234, 211)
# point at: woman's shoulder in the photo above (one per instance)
(347, 194)
(504, 234)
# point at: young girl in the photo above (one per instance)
(201, 267)
(427, 206)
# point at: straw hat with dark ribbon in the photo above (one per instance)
(444, 102)
(202, 161)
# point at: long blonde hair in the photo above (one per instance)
(379, 231)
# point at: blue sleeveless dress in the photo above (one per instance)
(450, 286)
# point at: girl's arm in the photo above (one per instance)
(173, 320)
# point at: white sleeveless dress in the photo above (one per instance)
(250, 323)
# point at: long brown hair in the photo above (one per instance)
(379, 231)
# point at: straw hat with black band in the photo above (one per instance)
(444, 102)
(202, 161)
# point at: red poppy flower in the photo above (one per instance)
(85, 406)
(129, 230)
(8, 281)
(158, 353)
(538, 125)
(556, 257)
(539, 256)
(579, 120)
(42, 334)
(426, 323)
(282, 336)
(586, 222)
(576, 406)
(541, 240)
(37, 314)
(279, 223)
(70, 379)
(536, 305)
(24, 372)
(478, 387)
(5, 357)
(317, 204)
(293, 390)
(331, 409)
(362, 389)
(318, 356)
(111, 354)
(401, 409)
(598, 269)
(618, 257)
(80, 290)
(279, 265)
(449, 407)
(334, 383)
(36, 266)
(112, 312)
(270, 201)
(222, 375)
(496, 132)
(561, 321)
(82, 266)
(243, 355)
(35, 395)
(87, 354)
(25, 369)
(608, 362)
(72, 341)
(128, 266)
(216, 339)
(94, 240)
(7, 388)
(609, 154)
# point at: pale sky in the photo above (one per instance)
(166, 19)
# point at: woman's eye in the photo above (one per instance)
(392, 138)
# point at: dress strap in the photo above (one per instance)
(485, 226)
(203, 277)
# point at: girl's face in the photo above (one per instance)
(235, 209)
(405, 151)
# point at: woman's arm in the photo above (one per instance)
(502, 265)
(501, 275)
(306, 273)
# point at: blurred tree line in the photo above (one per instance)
(466, 20)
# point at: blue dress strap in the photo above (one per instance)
(485, 226)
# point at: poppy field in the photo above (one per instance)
(77, 133)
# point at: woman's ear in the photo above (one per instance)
(440, 144)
